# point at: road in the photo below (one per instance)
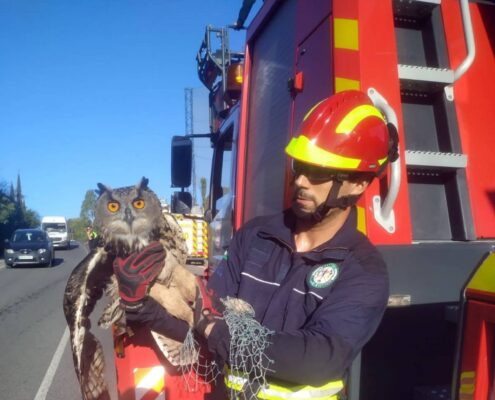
(36, 361)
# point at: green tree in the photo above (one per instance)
(203, 184)
(31, 218)
(20, 208)
(77, 227)
(7, 211)
(12, 192)
(19, 197)
(7, 206)
(13, 212)
(88, 207)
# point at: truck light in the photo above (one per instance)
(235, 74)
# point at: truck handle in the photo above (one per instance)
(470, 46)
(384, 213)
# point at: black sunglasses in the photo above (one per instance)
(313, 172)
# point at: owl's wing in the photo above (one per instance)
(84, 288)
(172, 235)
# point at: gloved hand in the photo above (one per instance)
(208, 308)
(153, 316)
(136, 273)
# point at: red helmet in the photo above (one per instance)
(344, 132)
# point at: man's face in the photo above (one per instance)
(311, 188)
(307, 196)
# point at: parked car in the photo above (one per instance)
(29, 246)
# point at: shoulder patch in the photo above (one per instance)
(323, 275)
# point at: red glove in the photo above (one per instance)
(208, 307)
(137, 272)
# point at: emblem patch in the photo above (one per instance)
(323, 275)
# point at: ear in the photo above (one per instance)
(143, 184)
(102, 189)
(358, 187)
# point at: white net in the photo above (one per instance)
(248, 343)
(200, 372)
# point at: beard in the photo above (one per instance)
(303, 211)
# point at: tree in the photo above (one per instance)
(7, 211)
(12, 192)
(31, 218)
(19, 204)
(88, 207)
(13, 212)
(203, 184)
(19, 197)
(78, 228)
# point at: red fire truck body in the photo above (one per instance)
(443, 221)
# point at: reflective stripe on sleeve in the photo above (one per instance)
(272, 391)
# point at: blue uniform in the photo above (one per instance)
(323, 305)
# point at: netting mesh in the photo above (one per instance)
(248, 343)
(202, 371)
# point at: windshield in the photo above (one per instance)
(54, 227)
(28, 236)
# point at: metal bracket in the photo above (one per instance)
(449, 92)
(386, 221)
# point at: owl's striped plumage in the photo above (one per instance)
(128, 219)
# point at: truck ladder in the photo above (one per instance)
(440, 207)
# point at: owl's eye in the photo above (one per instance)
(113, 206)
(138, 203)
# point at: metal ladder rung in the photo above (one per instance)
(414, 8)
(424, 79)
(434, 159)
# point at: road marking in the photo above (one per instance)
(52, 369)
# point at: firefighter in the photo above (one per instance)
(92, 238)
(310, 275)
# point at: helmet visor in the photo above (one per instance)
(314, 173)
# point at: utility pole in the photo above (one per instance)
(188, 100)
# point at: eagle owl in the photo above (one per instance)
(128, 219)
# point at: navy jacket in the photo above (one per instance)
(323, 305)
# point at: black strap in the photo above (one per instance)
(393, 147)
(333, 201)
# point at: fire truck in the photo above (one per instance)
(429, 65)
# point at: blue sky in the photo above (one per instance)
(92, 91)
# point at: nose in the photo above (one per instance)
(128, 217)
(300, 180)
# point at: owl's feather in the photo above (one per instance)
(84, 288)
(127, 230)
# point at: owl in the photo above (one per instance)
(128, 219)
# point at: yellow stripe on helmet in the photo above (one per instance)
(301, 148)
(354, 117)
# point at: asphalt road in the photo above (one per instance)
(35, 357)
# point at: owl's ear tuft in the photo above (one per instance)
(102, 189)
(143, 184)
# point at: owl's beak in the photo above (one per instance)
(128, 217)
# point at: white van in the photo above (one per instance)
(57, 230)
